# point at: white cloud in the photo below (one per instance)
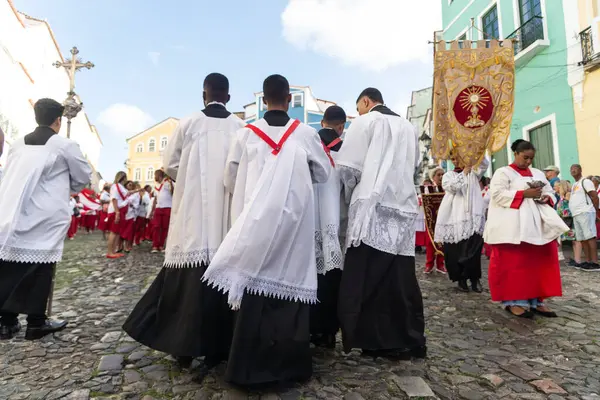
(125, 119)
(154, 57)
(374, 34)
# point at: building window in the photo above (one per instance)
(461, 40)
(139, 148)
(541, 138)
(150, 174)
(529, 9)
(297, 100)
(137, 176)
(151, 145)
(163, 142)
(490, 24)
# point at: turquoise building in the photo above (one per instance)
(543, 97)
(304, 106)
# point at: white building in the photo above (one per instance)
(28, 49)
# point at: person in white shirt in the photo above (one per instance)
(161, 213)
(133, 204)
(42, 171)
(380, 304)
(179, 314)
(267, 263)
(460, 223)
(74, 213)
(104, 202)
(584, 208)
(117, 210)
(141, 220)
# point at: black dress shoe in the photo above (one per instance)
(547, 314)
(527, 314)
(38, 332)
(476, 286)
(462, 286)
(9, 331)
(419, 352)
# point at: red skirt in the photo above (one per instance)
(127, 230)
(524, 271)
(102, 223)
(89, 221)
(420, 239)
(113, 227)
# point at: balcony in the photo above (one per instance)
(529, 40)
(591, 57)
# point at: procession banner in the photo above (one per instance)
(431, 205)
(473, 99)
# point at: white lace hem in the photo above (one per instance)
(178, 258)
(235, 283)
(384, 228)
(459, 231)
(328, 250)
(31, 256)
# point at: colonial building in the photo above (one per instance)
(28, 49)
(419, 114)
(304, 106)
(584, 76)
(543, 110)
(146, 151)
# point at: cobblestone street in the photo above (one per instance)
(476, 351)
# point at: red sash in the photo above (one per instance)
(275, 146)
(123, 197)
(334, 142)
(328, 149)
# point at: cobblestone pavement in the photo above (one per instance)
(475, 350)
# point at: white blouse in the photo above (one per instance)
(34, 199)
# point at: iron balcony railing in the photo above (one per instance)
(528, 33)
(587, 47)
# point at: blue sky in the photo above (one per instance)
(151, 56)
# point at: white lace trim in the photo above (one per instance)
(388, 229)
(459, 231)
(33, 256)
(178, 258)
(236, 283)
(328, 250)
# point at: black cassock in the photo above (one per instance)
(463, 259)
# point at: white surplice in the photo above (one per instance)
(328, 245)
(532, 223)
(461, 213)
(270, 248)
(144, 205)
(376, 165)
(195, 159)
(133, 201)
(35, 210)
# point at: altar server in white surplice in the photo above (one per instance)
(330, 255)
(42, 171)
(180, 314)
(380, 304)
(267, 263)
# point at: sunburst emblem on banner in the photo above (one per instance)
(474, 107)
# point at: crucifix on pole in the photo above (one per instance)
(72, 107)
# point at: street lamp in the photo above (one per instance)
(72, 106)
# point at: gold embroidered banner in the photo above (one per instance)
(431, 205)
(473, 99)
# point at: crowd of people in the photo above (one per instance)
(277, 236)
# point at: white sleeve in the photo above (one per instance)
(79, 170)
(455, 183)
(588, 185)
(233, 162)
(318, 160)
(172, 154)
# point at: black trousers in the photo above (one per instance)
(463, 259)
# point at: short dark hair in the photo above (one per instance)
(216, 87)
(521, 145)
(371, 93)
(334, 115)
(47, 111)
(276, 89)
(577, 166)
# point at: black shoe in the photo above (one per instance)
(588, 267)
(419, 352)
(9, 331)
(323, 340)
(547, 314)
(527, 314)
(184, 361)
(38, 332)
(462, 286)
(476, 286)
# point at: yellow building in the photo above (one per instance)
(146, 151)
(586, 91)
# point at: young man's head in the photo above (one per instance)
(369, 98)
(49, 113)
(216, 88)
(276, 91)
(576, 171)
(334, 118)
(159, 175)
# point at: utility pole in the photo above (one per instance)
(72, 107)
